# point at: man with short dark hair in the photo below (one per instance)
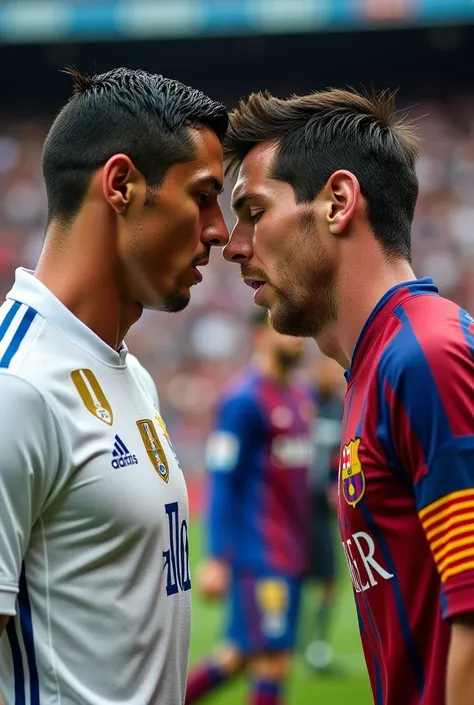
(94, 565)
(324, 200)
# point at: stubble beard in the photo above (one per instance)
(307, 304)
(174, 302)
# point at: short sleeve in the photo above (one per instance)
(429, 388)
(30, 460)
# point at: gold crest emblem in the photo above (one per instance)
(353, 478)
(92, 395)
(154, 448)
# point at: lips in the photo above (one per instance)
(197, 274)
(254, 283)
(195, 270)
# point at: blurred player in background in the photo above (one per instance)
(94, 564)
(329, 392)
(325, 199)
(258, 517)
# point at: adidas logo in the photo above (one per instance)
(121, 456)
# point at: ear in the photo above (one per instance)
(343, 191)
(119, 180)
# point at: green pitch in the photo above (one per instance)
(304, 688)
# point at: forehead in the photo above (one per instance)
(207, 149)
(206, 164)
(256, 168)
(255, 176)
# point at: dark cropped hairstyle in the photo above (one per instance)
(142, 115)
(319, 133)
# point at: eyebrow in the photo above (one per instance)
(214, 181)
(239, 202)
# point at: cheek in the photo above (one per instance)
(174, 238)
(281, 244)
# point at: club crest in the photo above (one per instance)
(353, 479)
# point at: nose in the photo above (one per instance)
(215, 232)
(239, 248)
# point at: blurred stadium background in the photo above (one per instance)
(229, 48)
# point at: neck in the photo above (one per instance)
(359, 294)
(77, 267)
(270, 368)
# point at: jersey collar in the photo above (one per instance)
(28, 290)
(380, 315)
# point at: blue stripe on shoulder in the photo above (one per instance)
(10, 315)
(15, 343)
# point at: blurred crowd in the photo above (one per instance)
(191, 355)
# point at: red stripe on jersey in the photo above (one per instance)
(454, 389)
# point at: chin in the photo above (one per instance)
(289, 320)
(173, 303)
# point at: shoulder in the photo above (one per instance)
(143, 377)
(427, 368)
(433, 333)
(25, 409)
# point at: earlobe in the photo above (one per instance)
(117, 182)
(344, 195)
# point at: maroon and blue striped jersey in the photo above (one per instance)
(406, 488)
(258, 457)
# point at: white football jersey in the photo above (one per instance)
(93, 518)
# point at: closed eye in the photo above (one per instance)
(255, 217)
(203, 198)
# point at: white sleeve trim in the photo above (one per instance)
(8, 596)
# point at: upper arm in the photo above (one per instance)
(431, 395)
(238, 432)
(29, 463)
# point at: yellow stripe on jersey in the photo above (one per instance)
(444, 500)
(463, 529)
(466, 541)
(468, 565)
(448, 524)
(449, 528)
(467, 553)
(434, 518)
